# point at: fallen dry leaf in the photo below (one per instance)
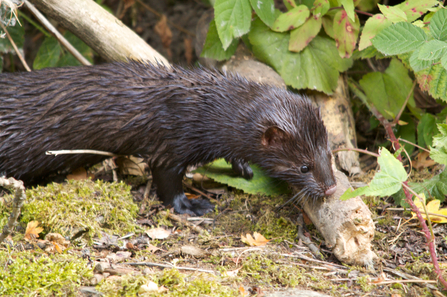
(242, 291)
(131, 165)
(258, 239)
(152, 248)
(433, 207)
(162, 29)
(423, 160)
(158, 233)
(32, 231)
(79, 174)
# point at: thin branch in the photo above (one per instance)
(15, 48)
(355, 150)
(17, 203)
(56, 34)
(75, 152)
(413, 144)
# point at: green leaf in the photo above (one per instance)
(302, 36)
(328, 23)
(265, 9)
(213, 47)
(439, 150)
(438, 25)
(321, 7)
(393, 13)
(414, 9)
(291, 19)
(67, 59)
(399, 38)
(407, 132)
(426, 130)
(348, 5)
(386, 182)
(48, 54)
(373, 25)
(290, 4)
(232, 19)
(221, 172)
(367, 53)
(316, 67)
(1, 64)
(434, 80)
(388, 91)
(346, 33)
(18, 36)
(418, 64)
(433, 50)
(435, 187)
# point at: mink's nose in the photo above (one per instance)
(330, 191)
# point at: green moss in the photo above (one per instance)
(29, 274)
(177, 283)
(75, 205)
(264, 271)
(365, 283)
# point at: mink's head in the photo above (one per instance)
(296, 144)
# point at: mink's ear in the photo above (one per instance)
(273, 136)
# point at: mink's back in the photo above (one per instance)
(175, 116)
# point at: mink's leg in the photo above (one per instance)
(170, 191)
(241, 168)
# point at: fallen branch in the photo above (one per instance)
(17, 203)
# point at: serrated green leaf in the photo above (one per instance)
(232, 19)
(434, 80)
(373, 25)
(221, 172)
(390, 177)
(433, 50)
(367, 53)
(444, 62)
(213, 47)
(439, 150)
(426, 130)
(367, 5)
(346, 33)
(349, 7)
(316, 67)
(291, 19)
(321, 7)
(388, 91)
(386, 182)
(17, 34)
(418, 64)
(399, 38)
(435, 187)
(438, 25)
(265, 9)
(303, 35)
(48, 54)
(393, 13)
(414, 9)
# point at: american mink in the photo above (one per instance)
(177, 117)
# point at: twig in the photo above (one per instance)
(56, 34)
(169, 266)
(300, 234)
(413, 144)
(19, 200)
(74, 152)
(200, 192)
(15, 47)
(183, 221)
(355, 150)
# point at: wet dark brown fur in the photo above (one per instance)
(177, 117)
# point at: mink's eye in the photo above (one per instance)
(304, 169)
